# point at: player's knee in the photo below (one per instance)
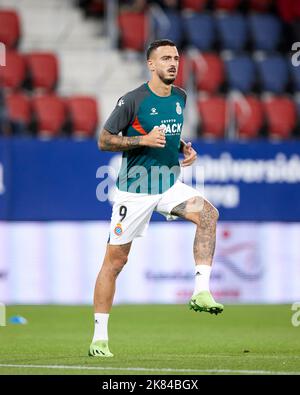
(208, 213)
(215, 214)
(117, 263)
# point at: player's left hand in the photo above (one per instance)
(190, 155)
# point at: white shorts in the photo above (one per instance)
(132, 211)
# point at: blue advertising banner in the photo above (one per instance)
(61, 179)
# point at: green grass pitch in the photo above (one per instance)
(152, 339)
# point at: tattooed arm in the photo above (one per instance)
(113, 142)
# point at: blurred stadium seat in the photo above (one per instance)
(14, 73)
(281, 116)
(241, 73)
(84, 116)
(49, 114)
(249, 116)
(265, 31)
(168, 25)
(232, 31)
(133, 30)
(95, 8)
(200, 30)
(43, 70)
(273, 73)
(228, 5)
(19, 108)
(194, 5)
(209, 72)
(260, 5)
(212, 111)
(10, 28)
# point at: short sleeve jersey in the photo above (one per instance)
(146, 169)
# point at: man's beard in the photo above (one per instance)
(167, 81)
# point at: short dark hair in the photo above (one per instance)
(159, 43)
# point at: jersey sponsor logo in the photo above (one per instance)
(178, 108)
(174, 128)
(118, 230)
(121, 102)
(153, 111)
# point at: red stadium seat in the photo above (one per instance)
(194, 5)
(212, 112)
(260, 5)
(228, 5)
(209, 72)
(19, 108)
(183, 72)
(14, 73)
(95, 7)
(281, 116)
(133, 30)
(10, 30)
(249, 116)
(84, 115)
(43, 70)
(50, 114)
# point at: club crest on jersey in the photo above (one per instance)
(153, 111)
(118, 230)
(178, 108)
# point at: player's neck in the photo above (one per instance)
(159, 88)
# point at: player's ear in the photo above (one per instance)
(150, 65)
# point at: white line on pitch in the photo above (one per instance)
(136, 369)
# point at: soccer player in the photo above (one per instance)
(150, 119)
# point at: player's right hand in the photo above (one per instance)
(156, 138)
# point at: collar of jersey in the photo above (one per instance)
(160, 97)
